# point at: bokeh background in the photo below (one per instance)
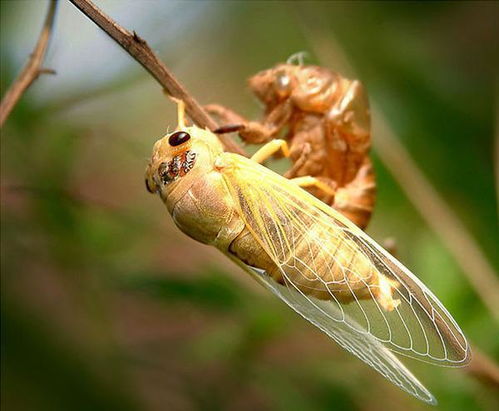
(106, 305)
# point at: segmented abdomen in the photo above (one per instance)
(327, 269)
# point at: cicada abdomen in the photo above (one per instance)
(320, 260)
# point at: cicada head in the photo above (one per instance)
(310, 88)
(274, 85)
(181, 153)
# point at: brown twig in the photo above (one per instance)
(496, 146)
(32, 69)
(140, 51)
(484, 368)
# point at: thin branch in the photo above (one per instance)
(483, 368)
(496, 144)
(32, 69)
(142, 53)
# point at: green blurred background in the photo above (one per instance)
(106, 305)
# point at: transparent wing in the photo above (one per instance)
(297, 230)
(365, 347)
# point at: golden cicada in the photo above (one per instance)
(305, 252)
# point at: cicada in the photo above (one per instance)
(327, 124)
(309, 255)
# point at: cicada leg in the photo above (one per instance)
(309, 181)
(226, 116)
(300, 162)
(270, 149)
(250, 131)
(181, 123)
(253, 132)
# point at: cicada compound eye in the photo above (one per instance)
(178, 138)
(283, 84)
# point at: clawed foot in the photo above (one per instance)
(250, 131)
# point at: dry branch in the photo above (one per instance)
(484, 369)
(142, 53)
(496, 147)
(32, 69)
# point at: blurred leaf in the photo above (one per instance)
(54, 374)
(210, 289)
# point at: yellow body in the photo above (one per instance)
(309, 255)
(205, 211)
(203, 208)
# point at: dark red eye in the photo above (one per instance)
(178, 138)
